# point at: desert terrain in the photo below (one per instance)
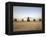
(27, 26)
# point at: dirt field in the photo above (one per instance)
(25, 26)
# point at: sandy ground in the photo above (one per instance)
(26, 26)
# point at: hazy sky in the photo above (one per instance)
(21, 12)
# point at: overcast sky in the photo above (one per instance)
(21, 12)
